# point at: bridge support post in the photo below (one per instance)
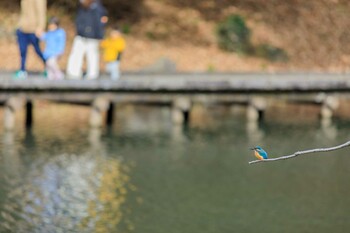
(99, 105)
(329, 105)
(255, 109)
(11, 106)
(181, 109)
(110, 114)
(29, 113)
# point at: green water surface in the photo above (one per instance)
(155, 178)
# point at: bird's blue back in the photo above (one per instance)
(261, 152)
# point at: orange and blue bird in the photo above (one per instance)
(259, 153)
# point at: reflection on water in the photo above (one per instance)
(329, 130)
(64, 192)
(254, 132)
(145, 175)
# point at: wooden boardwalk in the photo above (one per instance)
(178, 90)
(186, 83)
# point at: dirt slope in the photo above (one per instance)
(314, 33)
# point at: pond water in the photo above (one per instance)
(144, 175)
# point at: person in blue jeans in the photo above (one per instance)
(32, 21)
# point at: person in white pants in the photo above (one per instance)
(90, 21)
(82, 46)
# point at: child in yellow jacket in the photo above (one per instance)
(113, 47)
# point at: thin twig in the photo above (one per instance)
(303, 152)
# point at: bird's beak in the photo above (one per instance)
(252, 148)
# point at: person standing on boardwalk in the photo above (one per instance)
(90, 21)
(55, 42)
(113, 47)
(32, 20)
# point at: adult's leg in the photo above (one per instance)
(35, 42)
(93, 59)
(75, 60)
(22, 41)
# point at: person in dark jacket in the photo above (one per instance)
(90, 21)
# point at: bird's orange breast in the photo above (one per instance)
(258, 156)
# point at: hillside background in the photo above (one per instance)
(315, 33)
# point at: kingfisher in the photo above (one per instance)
(259, 153)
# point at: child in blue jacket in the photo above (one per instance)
(55, 42)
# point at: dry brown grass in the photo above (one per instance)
(314, 33)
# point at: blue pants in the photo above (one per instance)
(113, 69)
(25, 39)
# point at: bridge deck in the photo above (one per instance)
(185, 83)
(180, 91)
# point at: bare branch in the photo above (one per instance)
(303, 152)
